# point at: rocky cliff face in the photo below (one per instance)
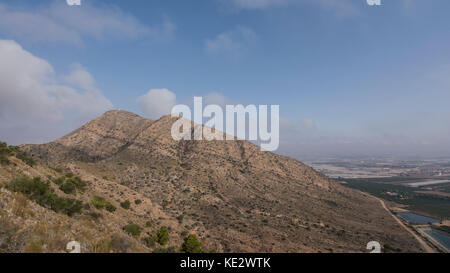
(235, 197)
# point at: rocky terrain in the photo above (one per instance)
(231, 195)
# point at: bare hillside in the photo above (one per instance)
(233, 196)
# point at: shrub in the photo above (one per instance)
(6, 151)
(101, 203)
(43, 194)
(25, 157)
(59, 180)
(133, 229)
(191, 244)
(137, 201)
(126, 204)
(110, 208)
(70, 184)
(68, 188)
(162, 237)
(70, 206)
(148, 224)
(4, 160)
(79, 184)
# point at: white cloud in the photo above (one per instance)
(157, 103)
(60, 23)
(340, 7)
(30, 91)
(231, 42)
(80, 77)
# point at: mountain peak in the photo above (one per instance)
(240, 198)
(118, 113)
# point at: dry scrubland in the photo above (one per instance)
(134, 189)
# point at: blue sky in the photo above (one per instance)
(350, 79)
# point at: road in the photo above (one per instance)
(424, 245)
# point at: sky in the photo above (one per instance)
(351, 79)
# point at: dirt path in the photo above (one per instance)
(425, 246)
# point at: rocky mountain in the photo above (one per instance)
(230, 194)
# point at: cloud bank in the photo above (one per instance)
(157, 103)
(32, 94)
(339, 7)
(60, 23)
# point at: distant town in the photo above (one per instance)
(381, 167)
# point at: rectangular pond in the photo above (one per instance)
(442, 237)
(417, 219)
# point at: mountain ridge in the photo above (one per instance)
(236, 197)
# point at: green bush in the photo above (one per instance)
(162, 237)
(148, 224)
(59, 180)
(133, 229)
(4, 160)
(25, 158)
(43, 194)
(70, 184)
(101, 203)
(191, 244)
(6, 151)
(68, 188)
(126, 204)
(110, 208)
